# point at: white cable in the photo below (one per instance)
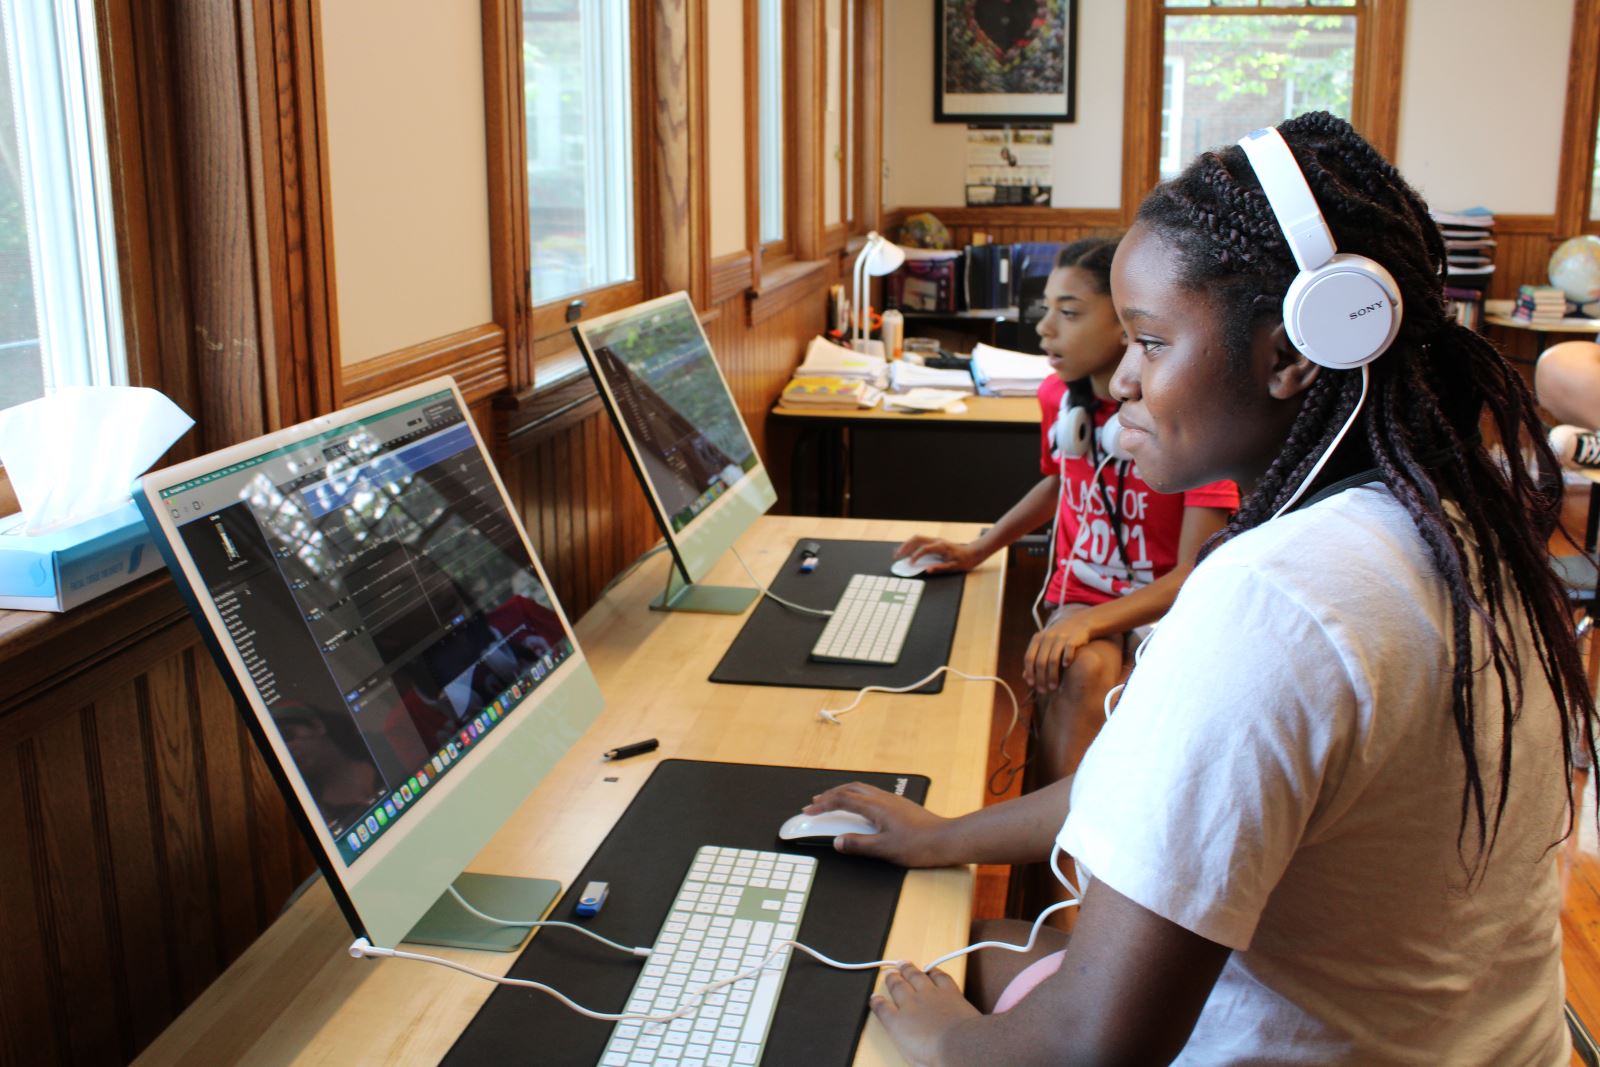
(824, 612)
(1055, 527)
(832, 715)
(1366, 377)
(361, 948)
(642, 953)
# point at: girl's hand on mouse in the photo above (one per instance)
(1052, 651)
(908, 833)
(956, 557)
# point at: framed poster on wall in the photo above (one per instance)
(1005, 60)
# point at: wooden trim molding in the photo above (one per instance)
(1141, 107)
(787, 285)
(524, 421)
(867, 213)
(506, 134)
(1574, 183)
(476, 357)
(805, 81)
(1380, 46)
(41, 649)
(295, 242)
(1109, 218)
(730, 275)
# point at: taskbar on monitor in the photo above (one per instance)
(724, 482)
(359, 837)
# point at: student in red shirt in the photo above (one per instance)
(1121, 548)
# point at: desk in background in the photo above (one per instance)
(1498, 313)
(871, 463)
(295, 996)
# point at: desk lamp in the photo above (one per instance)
(879, 256)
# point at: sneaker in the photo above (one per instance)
(1576, 447)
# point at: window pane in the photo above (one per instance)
(1238, 73)
(21, 365)
(1594, 191)
(60, 310)
(769, 74)
(576, 62)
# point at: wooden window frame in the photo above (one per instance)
(1374, 106)
(1574, 183)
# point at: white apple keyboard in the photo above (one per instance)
(871, 620)
(734, 905)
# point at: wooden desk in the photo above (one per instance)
(296, 997)
(871, 463)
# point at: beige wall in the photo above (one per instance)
(1464, 94)
(408, 170)
(1481, 108)
(925, 161)
(725, 105)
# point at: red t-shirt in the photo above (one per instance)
(1152, 522)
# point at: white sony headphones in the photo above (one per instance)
(1069, 437)
(1342, 311)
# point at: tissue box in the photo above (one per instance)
(64, 568)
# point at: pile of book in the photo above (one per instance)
(833, 376)
(1540, 303)
(1001, 372)
(1469, 260)
(904, 376)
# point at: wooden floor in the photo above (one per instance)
(1580, 854)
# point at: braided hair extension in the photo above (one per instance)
(1486, 523)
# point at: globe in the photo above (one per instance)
(1575, 268)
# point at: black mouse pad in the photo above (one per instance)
(683, 805)
(774, 647)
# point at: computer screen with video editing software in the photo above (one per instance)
(678, 419)
(374, 598)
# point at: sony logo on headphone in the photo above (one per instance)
(1358, 312)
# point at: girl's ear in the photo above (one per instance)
(1291, 373)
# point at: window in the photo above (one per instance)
(1594, 175)
(769, 118)
(1171, 114)
(1228, 69)
(60, 310)
(578, 94)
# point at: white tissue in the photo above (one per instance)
(74, 454)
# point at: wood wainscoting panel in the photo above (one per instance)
(145, 848)
(1008, 225)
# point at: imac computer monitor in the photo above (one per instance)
(391, 639)
(685, 437)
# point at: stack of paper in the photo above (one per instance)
(927, 400)
(824, 359)
(1001, 372)
(819, 392)
(904, 377)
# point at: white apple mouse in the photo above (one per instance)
(910, 568)
(823, 827)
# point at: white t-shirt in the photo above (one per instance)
(1282, 776)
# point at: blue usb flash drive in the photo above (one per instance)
(592, 899)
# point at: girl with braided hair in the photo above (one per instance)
(1320, 826)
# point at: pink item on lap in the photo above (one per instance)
(1027, 979)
